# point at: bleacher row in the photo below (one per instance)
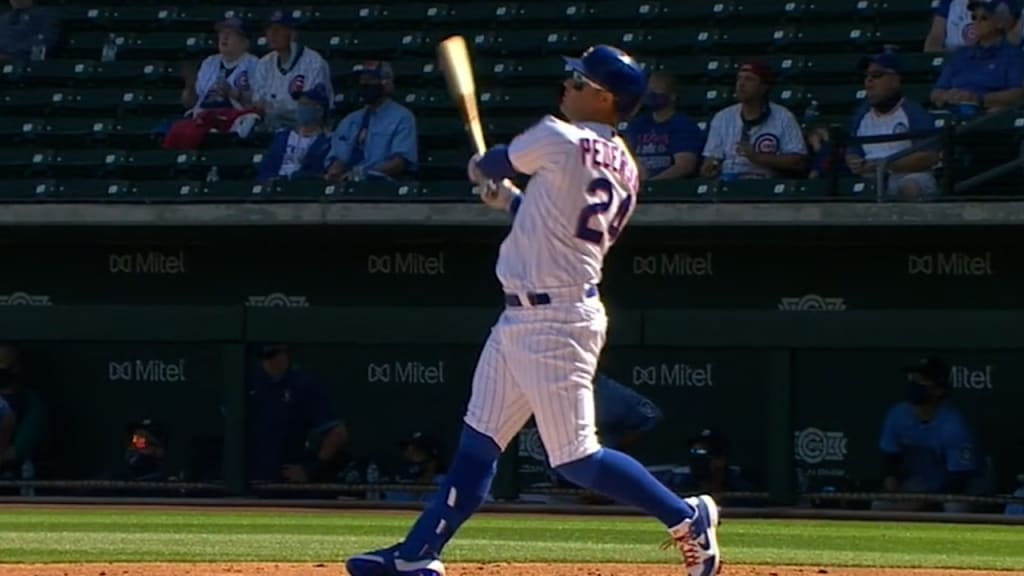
(73, 117)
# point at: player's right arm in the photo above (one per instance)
(539, 147)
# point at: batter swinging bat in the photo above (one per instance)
(453, 58)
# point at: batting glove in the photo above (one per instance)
(499, 195)
(473, 171)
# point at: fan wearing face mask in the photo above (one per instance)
(379, 140)
(299, 152)
(927, 446)
(667, 144)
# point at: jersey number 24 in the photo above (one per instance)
(589, 216)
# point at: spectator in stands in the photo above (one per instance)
(378, 140)
(754, 138)
(218, 95)
(666, 143)
(927, 446)
(25, 26)
(29, 412)
(145, 456)
(988, 75)
(709, 469)
(285, 72)
(953, 28)
(300, 152)
(823, 156)
(886, 112)
(7, 422)
(423, 460)
(294, 433)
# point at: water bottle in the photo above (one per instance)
(213, 176)
(372, 477)
(109, 53)
(39, 48)
(28, 472)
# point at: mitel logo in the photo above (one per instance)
(155, 263)
(531, 445)
(814, 446)
(156, 371)
(674, 375)
(965, 378)
(812, 303)
(950, 264)
(674, 264)
(406, 264)
(24, 299)
(277, 300)
(406, 373)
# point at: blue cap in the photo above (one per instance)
(317, 94)
(1007, 7)
(234, 24)
(284, 18)
(887, 60)
(375, 68)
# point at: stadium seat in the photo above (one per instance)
(14, 130)
(690, 190)
(609, 13)
(14, 189)
(167, 190)
(520, 42)
(307, 190)
(774, 10)
(94, 189)
(64, 72)
(695, 11)
(157, 163)
(447, 190)
(838, 10)
(131, 71)
(755, 190)
(237, 190)
(380, 191)
(857, 189)
(230, 163)
(86, 162)
(25, 161)
(697, 68)
(386, 45)
(72, 130)
(133, 16)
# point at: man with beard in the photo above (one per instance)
(379, 140)
(927, 446)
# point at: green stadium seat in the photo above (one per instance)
(695, 11)
(755, 190)
(815, 189)
(74, 130)
(136, 15)
(628, 13)
(409, 71)
(696, 67)
(437, 190)
(168, 190)
(840, 99)
(86, 161)
(689, 190)
(703, 98)
(910, 9)
(683, 39)
(135, 128)
(424, 99)
(857, 189)
(234, 190)
(307, 189)
(29, 100)
(328, 44)
(438, 129)
(514, 42)
(380, 191)
(838, 10)
(901, 33)
(202, 15)
(922, 66)
(84, 16)
(446, 160)
(502, 128)
(767, 9)
(502, 71)
(16, 130)
(94, 189)
(344, 15)
(518, 98)
(24, 161)
(133, 71)
(837, 37)
(153, 101)
(27, 189)
(56, 71)
(386, 45)
(826, 68)
(157, 163)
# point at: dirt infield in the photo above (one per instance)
(275, 569)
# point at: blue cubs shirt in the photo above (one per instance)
(655, 144)
(907, 116)
(930, 449)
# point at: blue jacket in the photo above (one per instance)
(312, 163)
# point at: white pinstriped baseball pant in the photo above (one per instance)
(541, 360)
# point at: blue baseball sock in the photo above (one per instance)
(464, 489)
(620, 477)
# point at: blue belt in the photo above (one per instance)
(541, 298)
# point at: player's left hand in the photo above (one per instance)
(497, 195)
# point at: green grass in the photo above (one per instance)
(37, 536)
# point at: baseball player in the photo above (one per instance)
(542, 354)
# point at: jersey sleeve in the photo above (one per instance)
(792, 136)
(260, 80)
(921, 121)
(539, 147)
(941, 8)
(715, 145)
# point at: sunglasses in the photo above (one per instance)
(579, 81)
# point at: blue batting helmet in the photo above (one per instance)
(616, 72)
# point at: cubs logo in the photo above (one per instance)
(297, 85)
(766, 144)
(900, 128)
(968, 33)
(242, 82)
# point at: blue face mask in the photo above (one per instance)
(655, 101)
(306, 115)
(371, 93)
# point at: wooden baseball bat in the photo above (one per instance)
(453, 58)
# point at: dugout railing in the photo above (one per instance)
(778, 333)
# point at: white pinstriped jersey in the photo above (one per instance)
(582, 191)
(213, 68)
(275, 81)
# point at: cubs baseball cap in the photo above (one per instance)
(317, 94)
(762, 70)
(933, 368)
(887, 60)
(233, 24)
(1008, 7)
(375, 68)
(284, 18)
